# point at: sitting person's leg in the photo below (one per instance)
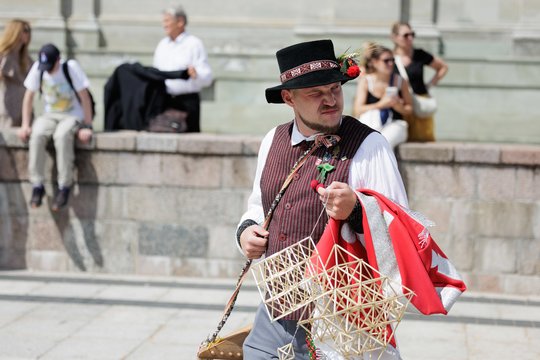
(42, 130)
(64, 144)
(395, 132)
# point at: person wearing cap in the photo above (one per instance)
(64, 118)
(180, 50)
(356, 157)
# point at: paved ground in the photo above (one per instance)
(66, 316)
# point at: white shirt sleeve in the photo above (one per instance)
(32, 79)
(79, 78)
(255, 209)
(157, 52)
(374, 167)
(200, 62)
(254, 206)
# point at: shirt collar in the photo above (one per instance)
(297, 137)
(179, 38)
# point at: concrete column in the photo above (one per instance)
(83, 26)
(526, 33)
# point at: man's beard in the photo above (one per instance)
(319, 127)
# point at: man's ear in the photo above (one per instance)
(181, 23)
(286, 95)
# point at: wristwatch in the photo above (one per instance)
(86, 126)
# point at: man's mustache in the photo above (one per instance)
(328, 108)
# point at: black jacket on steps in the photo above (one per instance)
(134, 94)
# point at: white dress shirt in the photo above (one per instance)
(186, 50)
(374, 167)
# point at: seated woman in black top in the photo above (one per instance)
(382, 96)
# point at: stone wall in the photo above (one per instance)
(485, 200)
(169, 204)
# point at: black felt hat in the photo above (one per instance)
(306, 64)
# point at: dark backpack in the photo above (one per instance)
(65, 70)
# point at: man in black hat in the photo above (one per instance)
(336, 151)
(67, 113)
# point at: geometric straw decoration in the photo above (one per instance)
(346, 304)
(286, 352)
(357, 309)
(282, 281)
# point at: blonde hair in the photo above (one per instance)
(397, 25)
(10, 41)
(372, 51)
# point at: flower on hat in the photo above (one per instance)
(348, 64)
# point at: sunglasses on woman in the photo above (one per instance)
(411, 34)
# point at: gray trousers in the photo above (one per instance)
(267, 336)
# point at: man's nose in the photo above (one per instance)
(329, 98)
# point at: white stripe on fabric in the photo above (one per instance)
(348, 234)
(384, 251)
(448, 295)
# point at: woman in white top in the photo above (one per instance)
(382, 96)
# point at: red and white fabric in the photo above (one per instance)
(397, 243)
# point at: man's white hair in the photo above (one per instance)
(176, 11)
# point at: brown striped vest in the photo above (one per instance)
(298, 210)
(296, 214)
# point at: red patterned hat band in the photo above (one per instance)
(307, 68)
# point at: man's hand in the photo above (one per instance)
(339, 199)
(24, 133)
(192, 72)
(84, 135)
(253, 241)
